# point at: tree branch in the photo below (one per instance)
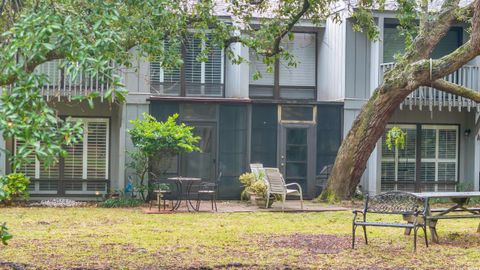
(276, 44)
(456, 89)
(433, 31)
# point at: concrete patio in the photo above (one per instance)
(240, 206)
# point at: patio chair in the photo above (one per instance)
(209, 189)
(277, 185)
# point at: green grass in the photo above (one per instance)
(98, 238)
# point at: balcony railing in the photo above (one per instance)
(468, 76)
(62, 85)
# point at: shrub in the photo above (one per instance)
(156, 144)
(4, 234)
(122, 202)
(12, 186)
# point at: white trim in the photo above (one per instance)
(85, 149)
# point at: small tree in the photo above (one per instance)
(158, 142)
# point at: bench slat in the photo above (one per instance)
(384, 224)
(453, 216)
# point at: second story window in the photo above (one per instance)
(288, 82)
(193, 78)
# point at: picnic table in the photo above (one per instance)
(184, 187)
(459, 210)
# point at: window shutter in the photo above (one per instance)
(398, 166)
(97, 149)
(303, 48)
(214, 66)
(256, 64)
(51, 172)
(29, 169)
(193, 68)
(73, 162)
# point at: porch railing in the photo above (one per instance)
(468, 76)
(61, 85)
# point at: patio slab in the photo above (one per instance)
(239, 206)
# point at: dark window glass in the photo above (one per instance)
(162, 110)
(297, 113)
(264, 135)
(193, 111)
(329, 134)
(232, 148)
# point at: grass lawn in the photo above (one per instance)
(96, 238)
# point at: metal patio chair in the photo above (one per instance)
(209, 189)
(277, 185)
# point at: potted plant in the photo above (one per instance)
(255, 190)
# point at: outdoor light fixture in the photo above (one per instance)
(467, 132)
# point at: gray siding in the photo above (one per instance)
(331, 62)
(357, 64)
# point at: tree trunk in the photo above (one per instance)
(360, 141)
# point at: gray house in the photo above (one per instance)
(293, 118)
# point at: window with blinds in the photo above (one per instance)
(299, 81)
(399, 165)
(438, 167)
(201, 78)
(88, 159)
(295, 82)
(84, 168)
(36, 169)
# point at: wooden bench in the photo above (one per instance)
(391, 203)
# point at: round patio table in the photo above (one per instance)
(184, 187)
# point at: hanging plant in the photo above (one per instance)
(396, 137)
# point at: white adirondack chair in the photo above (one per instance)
(277, 185)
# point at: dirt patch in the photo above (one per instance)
(311, 243)
(461, 240)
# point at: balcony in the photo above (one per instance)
(62, 85)
(468, 76)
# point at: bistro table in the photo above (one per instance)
(184, 187)
(459, 210)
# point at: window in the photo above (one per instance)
(394, 43)
(194, 78)
(297, 113)
(89, 159)
(438, 160)
(86, 163)
(399, 165)
(289, 82)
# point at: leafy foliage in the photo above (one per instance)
(4, 234)
(396, 137)
(167, 138)
(157, 142)
(122, 202)
(14, 185)
(253, 184)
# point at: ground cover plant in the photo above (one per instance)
(99, 238)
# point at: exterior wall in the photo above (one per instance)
(331, 60)
(357, 65)
(236, 75)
